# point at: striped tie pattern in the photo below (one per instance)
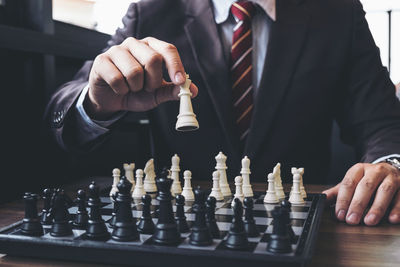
(241, 67)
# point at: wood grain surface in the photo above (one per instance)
(337, 244)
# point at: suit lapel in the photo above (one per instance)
(288, 35)
(203, 37)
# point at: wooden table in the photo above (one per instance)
(337, 244)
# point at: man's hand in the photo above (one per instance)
(361, 183)
(129, 77)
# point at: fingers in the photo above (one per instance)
(129, 67)
(171, 58)
(384, 196)
(331, 193)
(169, 92)
(346, 190)
(108, 72)
(394, 216)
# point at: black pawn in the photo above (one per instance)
(146, 224)
(45, 219)
(96, 228)
(81, 216)
(279, 241)
(60, 215)
(201, 234)
(30, 224)
(113, 219)
(237, 237)
(125, 225)
(180, 217)
(210, 217)
(287, 206)
(249, 222)
(166, 232)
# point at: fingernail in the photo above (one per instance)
(353, 218)
(179, 77)
(394, 218)
(371, 218)
(341, 215)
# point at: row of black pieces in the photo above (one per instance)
(55, 213)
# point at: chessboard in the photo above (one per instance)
(305, 221)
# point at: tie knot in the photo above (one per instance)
(243, 10)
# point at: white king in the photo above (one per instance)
(186, 119)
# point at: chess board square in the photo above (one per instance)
(298, 215)
(261, 213)
(74, 209)
(300, 209)
(223, 218)
(223, 226)
(262, 228)
(190, 217)
(297, 222)
(263, 220)
(185, 244)
(297, 230)
(130, 243)
(137, 213)
(106, 200)
(224, 211)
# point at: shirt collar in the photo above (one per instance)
(222, 8)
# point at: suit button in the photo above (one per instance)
(58, 117)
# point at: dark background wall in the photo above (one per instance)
(37, 55)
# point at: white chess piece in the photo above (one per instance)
(176, 188)
(187, 191)
(116, 173)
(186, 119)
(295, 195)
(270, 196)
(245, 172)
(150, 177)
(302, 189)
(129, 174)
(278, 182)
(216, 190)
(238, 190)
(138, 192)
(221, 168)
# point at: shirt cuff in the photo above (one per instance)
(97, 126)
(381, 159)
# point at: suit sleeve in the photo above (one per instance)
(67, 126)
(369, 115)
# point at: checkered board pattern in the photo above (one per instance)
(305, 220)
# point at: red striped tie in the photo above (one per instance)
(241, 68)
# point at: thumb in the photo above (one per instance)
(169, 92)
(331, 194)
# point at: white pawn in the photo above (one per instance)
(138, 192)
(302, 189)
(176, 188)
(221, 168)
(216, 190)
(116, 173)
(129, 173)
(270, 196)
(187, 191)
(245, 172)
(186, 118)
(295, 195)
(238, 190)
(278, 182)
(150, 177)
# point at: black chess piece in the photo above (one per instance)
(237, 237)
(113, 219)
(125, 225)
(96, 228)
(201, 234)
(285, 204)
(81, 216)
(45, 218)
(249, 222)
(210, 217)
(279, 241)
(31, 224)
(59, 213)
(180, 217)
(166, 232)
(146, 224)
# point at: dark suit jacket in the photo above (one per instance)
(322, 64)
